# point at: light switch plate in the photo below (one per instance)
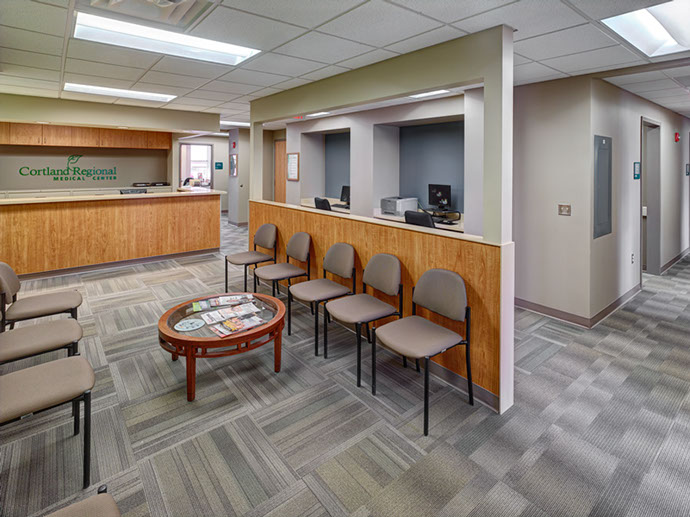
(564, 209)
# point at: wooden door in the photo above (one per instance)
(26, 134)
(279, 170)
(57, 135)
(85, 137)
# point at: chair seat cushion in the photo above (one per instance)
(43, 305)
(43, 386)
(416, 337)
(318, 290)
(35, 339)
(359, 308)
(279, 271)
(248, 257)
(101, 505)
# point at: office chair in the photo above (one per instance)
(322, 203)
(419, 219)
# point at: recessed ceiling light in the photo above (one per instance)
(229, 123)
(656, 31)
(319, 114)
(428, 94)
(116, 92)
(130, 35)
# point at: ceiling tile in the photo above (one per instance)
(322, 47)
(139, 102)
(307, 13)
(77, 66)
(677, 72)
(46, 19)
(366, 59)
(560, 43)
(684, 80)
(110, 54)
(33, 59)
(246, 98)
(88, 98)
(451, 10)
(228, 87)
(660, 94)
(31, 41)
(520, 60)
(533, 72)
(96, 80)
(327, 71)
(177, 65)
(23, 90)
(427, 39)
(242, 75)
(180, 107)
(235, 106)
(161, 88)
(213, 96)
(650, 86)
(239, 28)
(600, 58)
(636, 78)
(32, 73)
(379, 24)
(598, 9)
(215, 109)
(528, 17)
(27, 82)
(286, 65)
(183, 81)
(266, 92)
(195, 102)
(292, 83)
(672, 100)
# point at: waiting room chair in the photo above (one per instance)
(264, 237)
(382, 274)
(340, 261)
(48, 385)
(419, 219)
(440, 291)
(298, 249)
(322, 203)
(100, 505)
(40, 338)
(31, 307)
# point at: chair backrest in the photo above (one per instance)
(340, 260)
(9, 282)
(298, 246)
(322, 204)
(442, 292)
(383, 273)
(419, 218)
(265, 236)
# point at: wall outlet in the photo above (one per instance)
(564, 209)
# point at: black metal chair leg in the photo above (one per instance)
(417, 363)
(311, 307)
(426, 396)
(316, 329)
(373, 361)
(12, 326)
(246, 270)
(366, 326)
(226, 276)
(75, 348)
(273, 288)
(469, 374)
(358, 331)
(325, 332)
(87, 438)
(289, 312)
(255, 280)
(75, 414)
(404, 361)
(73, 313)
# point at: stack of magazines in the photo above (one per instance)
(229, 320)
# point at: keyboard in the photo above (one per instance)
(341, 206)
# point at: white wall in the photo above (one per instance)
(238, 186)
(474, 162)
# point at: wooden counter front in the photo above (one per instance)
(418, 250)
(46, 236)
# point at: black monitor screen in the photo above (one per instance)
(439, 195)
(345, 194)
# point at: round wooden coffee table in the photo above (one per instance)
(203, 342)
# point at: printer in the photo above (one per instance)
(398, 205)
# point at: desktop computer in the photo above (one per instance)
(440, 198)
(344, 197)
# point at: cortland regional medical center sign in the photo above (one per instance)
(71, 172)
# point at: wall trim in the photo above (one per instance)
(574, 318)
(240, 225)
(675, 259)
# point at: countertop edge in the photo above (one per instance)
(105, 197)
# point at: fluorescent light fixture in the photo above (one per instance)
(319, 114)
(229, 123)
(116, 92)
(428, 94)
(656, 31)
(130, 35)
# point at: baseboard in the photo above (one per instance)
(239, 225)
(574, 318)
(129, 262)
(671, 262)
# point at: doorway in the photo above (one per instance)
(650, 198)
(279, 170)
(196, 161)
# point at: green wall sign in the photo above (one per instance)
(637, 169)
(71, 172)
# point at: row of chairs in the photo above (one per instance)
(439, 290)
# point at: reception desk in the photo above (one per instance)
(52, 233)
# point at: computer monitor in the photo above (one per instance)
(439, 195)
(345, 194)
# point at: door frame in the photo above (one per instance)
(273, 168)
(646, 122)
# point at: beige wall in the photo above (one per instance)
(238, 186)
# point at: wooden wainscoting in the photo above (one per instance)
(478, 263)
(48, 236)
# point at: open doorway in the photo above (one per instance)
(650, 198)
(196, 161)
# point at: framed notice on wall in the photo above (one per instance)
(233, 165)
(293, 166)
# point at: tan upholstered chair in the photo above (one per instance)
(32, 306)
(340, 261)
(48, 385)
(40, 338)
(440, 291)
(101, 505)
(264, 237)
(298, 249)
(382, 274)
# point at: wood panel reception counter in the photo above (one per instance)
(47, 234)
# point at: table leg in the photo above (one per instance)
(277, 345)
(191, 375)
(175, 356)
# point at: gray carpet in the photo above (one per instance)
(601, 424)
